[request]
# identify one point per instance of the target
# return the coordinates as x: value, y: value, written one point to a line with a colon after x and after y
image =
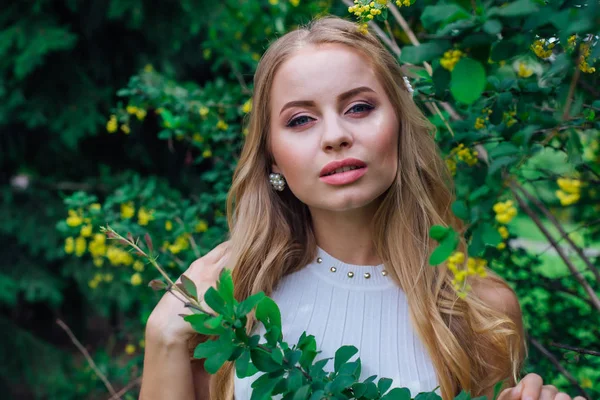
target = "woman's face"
x: 328, y: 105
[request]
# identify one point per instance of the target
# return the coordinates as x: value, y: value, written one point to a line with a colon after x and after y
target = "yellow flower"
x: 222, y: 125
x: 144, y: 216
x: 86, y: 231
x: 136, y: 279
x: 97, y: 246
x: 207, y: 153
x: 108, y: 277
x: 130, y: 349
x: 98, y: 261
x: 148, y: 68
x: 201, y: 226
x: 505, y: 211
x: 247, y: 107
x: 479, y: 123
x: 181, y: 243
x: 131, y: 109
x: 569, y: 185
x: 294, y: 3
x: 539, y: 50
x: 95, y: 207
x: 255, y: 56
x: 80, y: 246
x: 451, y: 165
x: 245, y: 132
x: 93, y: 284
x: 566, y: 199
x: 117, y: 256
x: 127, y: 210
x: 138, y: 266
x: 450, y: 58
x: 503, y: 232
x: 125, y: 128
x: 69, y: 245
x: 501, y: 246
x: 112, y: 124
x: 524, y: 70
x: 74, y: 219
x: 363, y: 28
x: 140, y: 114
x: 274, y: 2
x: 197, y: 137
x: 168, y: 225
x: 203, y: 111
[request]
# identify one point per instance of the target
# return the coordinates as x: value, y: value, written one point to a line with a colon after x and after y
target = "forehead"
x: 317, y: 71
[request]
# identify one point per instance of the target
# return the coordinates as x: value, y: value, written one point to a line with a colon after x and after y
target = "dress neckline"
x: 341, y: 274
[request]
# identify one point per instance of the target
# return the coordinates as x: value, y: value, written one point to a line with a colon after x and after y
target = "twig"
x: 558, y: 366
x: 560, y: 229
x: 88, y: 358
x: 593, y: 296
x: 565, y: 116
x: 392, y: 39
x: 576, y: 349
x: 240, y: 79
x: 126, y: 388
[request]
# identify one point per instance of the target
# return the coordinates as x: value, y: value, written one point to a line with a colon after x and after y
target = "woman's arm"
x: 167, y: 369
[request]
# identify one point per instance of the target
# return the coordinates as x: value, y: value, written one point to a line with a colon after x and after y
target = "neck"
x: 346, y: 235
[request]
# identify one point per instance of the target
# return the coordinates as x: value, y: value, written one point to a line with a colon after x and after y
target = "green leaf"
x: 428, y: 396
x: 460, y: 209
x: 444, y: 249
x: 268, y: 313
x: 468, y: 80
x: 503, y: 50
x: 225, y: 286
x: 213, y: 363
x: 242, y: 364
x: 277, y: 355
x: 342, y: 355
x: 503, y: 149
x: 500, y: 162
x: 442, y: 14
x: 424, y: 52
x: 263, y: 361
x: 302, y: 393
x: 190, y: 287
x: 397, y: 394
x: 438, y: 232
x: 492, y: 26
x: 247, y: 305
x: 497, y: 389
x: 206, y: 349
x: 441, y: 80
x: 341, y: 382
x: 199, y: 324
x: 294, y: 381
x: 463, y: 396
x: 215, y: 301
x: 318, y: 395
x: 359, y: 389
x: 514, y: 9
x: 384, y: 384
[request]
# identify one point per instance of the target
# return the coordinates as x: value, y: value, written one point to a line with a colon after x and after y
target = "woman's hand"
x: 532, y: 387
x: 165, y: 321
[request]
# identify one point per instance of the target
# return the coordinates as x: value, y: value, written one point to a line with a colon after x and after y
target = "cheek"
x: 386, y: 145
x: 290, y: 158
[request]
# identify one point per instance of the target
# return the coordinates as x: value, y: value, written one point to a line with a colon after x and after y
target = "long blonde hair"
x: 271, y: 233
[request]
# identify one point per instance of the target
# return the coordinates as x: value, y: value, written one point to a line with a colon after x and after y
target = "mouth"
x: 342, y: 170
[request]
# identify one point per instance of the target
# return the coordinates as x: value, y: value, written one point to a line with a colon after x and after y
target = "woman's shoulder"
x: 497, y: 295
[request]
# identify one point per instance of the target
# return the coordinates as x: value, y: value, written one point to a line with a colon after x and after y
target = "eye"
x: 299, y: 121
x: 361, y: 107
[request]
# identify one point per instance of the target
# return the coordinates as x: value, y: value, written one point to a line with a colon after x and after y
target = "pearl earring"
x: 277, y: 181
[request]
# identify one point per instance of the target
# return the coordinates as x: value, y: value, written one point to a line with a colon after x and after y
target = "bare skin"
x: 168, y: 372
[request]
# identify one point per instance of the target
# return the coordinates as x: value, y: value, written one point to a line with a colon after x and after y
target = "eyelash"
x: 291, y: 123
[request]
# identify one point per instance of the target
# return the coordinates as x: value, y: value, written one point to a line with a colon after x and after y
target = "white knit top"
x: 369, y: 313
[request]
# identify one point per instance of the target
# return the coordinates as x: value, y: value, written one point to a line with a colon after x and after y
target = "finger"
x: 548, y: 392
x: 562, y: 396
x: 532, y: 387
x: 579, y: 398
x: 506, y: 394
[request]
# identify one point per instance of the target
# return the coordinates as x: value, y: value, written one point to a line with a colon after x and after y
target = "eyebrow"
x: 342, y: 97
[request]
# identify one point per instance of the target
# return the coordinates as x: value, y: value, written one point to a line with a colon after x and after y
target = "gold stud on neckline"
x: 319, y: 260
x: 350, y: 274
x: 333, y: 269
x: 367, y: 275
x: 384, y: 272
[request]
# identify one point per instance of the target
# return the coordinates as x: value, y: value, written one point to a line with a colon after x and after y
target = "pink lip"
x: 346, y: 162
x: 343, y: 178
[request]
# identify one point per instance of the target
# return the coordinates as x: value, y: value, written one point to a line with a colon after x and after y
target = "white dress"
x: 369, y: 313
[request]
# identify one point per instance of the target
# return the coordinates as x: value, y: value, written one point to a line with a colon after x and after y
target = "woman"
x: 329, y: 211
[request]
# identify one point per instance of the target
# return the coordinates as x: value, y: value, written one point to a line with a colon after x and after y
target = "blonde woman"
x: 329, y: 211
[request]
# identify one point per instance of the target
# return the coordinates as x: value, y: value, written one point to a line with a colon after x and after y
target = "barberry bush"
x: 131, y: 114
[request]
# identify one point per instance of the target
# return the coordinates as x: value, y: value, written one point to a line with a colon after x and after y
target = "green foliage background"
x: 174, y: 80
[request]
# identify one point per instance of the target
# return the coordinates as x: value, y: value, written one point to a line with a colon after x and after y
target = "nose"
x: 336, y: 136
